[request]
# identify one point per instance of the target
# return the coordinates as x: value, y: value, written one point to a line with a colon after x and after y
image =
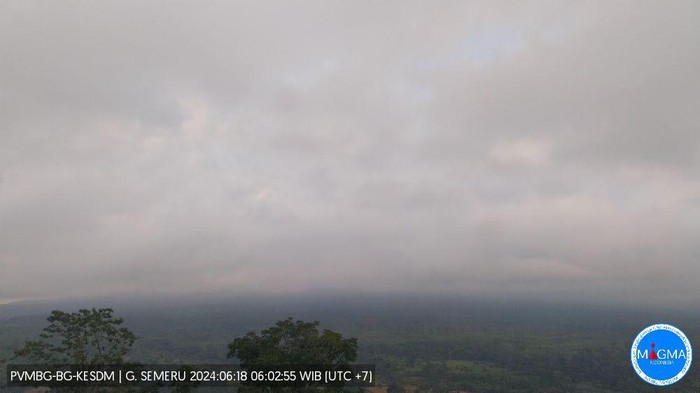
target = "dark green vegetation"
x: 424, y: 344
x: 293, y: 343
x: 86, y: 338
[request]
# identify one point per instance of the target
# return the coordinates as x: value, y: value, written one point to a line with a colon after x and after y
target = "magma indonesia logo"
x: 661, y: 354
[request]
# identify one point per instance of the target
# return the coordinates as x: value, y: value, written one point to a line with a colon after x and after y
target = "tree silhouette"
x: 293, y: 343
x: 85, y: 338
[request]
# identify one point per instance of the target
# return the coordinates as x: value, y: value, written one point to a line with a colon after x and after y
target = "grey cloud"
x: 285, y: 147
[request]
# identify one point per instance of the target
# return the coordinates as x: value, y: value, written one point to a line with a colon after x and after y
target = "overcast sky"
x: 540, y: 148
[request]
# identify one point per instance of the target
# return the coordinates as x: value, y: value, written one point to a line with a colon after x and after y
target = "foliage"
x: 293, y: 343
x: 423, y: 347
x: 87, y: 337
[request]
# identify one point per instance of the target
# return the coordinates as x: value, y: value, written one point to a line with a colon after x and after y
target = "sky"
x: 530, y: 148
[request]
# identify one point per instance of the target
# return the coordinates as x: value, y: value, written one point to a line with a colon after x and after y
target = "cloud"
x: 521, y: 153
x: 287, y: 147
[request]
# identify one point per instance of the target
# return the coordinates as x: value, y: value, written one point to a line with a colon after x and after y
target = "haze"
x: 533, y: 148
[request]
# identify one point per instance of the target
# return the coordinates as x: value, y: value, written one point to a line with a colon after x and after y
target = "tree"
x: 293, y: 343
x: 85, y: 338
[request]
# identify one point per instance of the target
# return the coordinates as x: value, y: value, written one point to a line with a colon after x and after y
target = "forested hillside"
x: 436, y: 345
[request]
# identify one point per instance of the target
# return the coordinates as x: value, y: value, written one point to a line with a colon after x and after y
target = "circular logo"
x: 661, y: 354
